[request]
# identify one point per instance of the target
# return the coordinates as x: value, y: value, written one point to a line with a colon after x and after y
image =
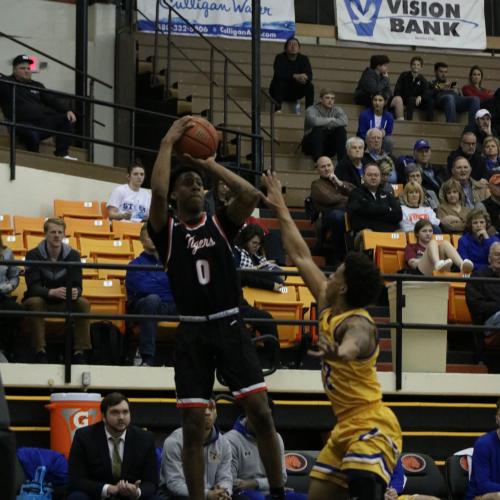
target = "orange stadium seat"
x: 18, y: 293
x: 96, y: 228
x: 16, y: 244
x: 137, y: 247
x: 104, y: 209
x: 77, y: 209
x: 112, y: 273
x: 389, y: 249
x: 28, y: 225
x: 33, y: 240
x: 458, y: 311
x: 310, y: 310
x: 90, y: 247
x: 438, y: 237
x: 6, y: 226
x: 126, y: 230
x: 455, y: 238
x: 105, y: 297
x: 373, y: 239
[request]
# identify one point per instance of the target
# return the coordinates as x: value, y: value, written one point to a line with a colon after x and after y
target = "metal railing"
x: 14, y: 124
x: 398, y: 324
x: 257, y: 163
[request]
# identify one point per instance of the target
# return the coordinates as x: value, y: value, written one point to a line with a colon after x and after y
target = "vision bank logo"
x: 364, y: 14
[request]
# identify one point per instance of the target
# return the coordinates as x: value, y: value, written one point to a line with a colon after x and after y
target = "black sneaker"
x: 78, y: 359
x: 41, y: 358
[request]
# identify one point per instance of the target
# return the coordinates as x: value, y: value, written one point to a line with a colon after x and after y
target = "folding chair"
x: 77, y: 209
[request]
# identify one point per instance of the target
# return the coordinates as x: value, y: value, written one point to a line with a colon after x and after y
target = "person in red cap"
x: 35, y: 107
x: 492, y: 203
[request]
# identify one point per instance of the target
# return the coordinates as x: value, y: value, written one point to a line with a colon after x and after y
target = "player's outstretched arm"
x: 295, y: 246
x: 245, y: 196
x: 161, y: 173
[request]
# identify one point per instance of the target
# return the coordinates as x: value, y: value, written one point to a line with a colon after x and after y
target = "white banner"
x: 455, y: 24
x: 225, y: 18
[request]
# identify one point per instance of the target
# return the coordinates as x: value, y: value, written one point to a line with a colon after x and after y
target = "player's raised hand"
x: 327, y: 349
x: 177, y: 128
x: 199, y: 162
x: 274, y: 198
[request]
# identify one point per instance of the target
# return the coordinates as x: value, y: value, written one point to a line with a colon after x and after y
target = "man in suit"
x: 113, y: 459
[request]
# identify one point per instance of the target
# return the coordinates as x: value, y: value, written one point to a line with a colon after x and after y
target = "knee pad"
x: 366, y: 486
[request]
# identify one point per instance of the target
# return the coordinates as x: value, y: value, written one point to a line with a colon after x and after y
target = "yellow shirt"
x: 353, y: 384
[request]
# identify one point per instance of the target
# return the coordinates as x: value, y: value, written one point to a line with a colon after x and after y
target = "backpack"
x: 108, y: 346
x: 36, y: 489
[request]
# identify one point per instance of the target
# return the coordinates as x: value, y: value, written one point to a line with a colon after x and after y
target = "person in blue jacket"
x: 148, y: 292
x: 377, y: 116
x: 485, y: 477
x: 475, y: 243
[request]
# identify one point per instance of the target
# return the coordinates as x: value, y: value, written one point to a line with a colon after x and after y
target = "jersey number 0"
x: 203, y: 271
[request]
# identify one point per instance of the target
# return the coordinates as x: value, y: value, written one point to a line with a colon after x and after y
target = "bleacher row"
x: 102, y: 241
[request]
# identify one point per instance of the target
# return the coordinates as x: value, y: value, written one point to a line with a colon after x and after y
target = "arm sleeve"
x: 339, y: 117
x: 76, y: 272
x: 410, y: 252
x: 312, y: 118
x: 307, y: 68
x: 34, y: 280
x: 398, y: 88
x: 115, y: 198
x: 463, y: 247
x: 390, y: 124
x: 149, y: 473
x: 280, y: 67
x: 160, y: 239
x: 480, y: 305
x: 482, y: 469
x: 363, y: 124
x: 172, y: 473
x: 224, y: 476
x: 52, y: 101
x: 11, y: 276
x: 78, y: 470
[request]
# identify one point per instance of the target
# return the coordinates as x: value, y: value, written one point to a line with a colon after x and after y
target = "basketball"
x: 200, y: 141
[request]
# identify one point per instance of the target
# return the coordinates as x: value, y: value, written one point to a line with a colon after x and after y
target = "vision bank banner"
x: 224, y: 18
x: 457, y: 24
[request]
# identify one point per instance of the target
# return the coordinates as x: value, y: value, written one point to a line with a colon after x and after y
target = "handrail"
x: 52, y: 58
x: 213, y: 48
x: 398, y: 324
x: 14, y: 124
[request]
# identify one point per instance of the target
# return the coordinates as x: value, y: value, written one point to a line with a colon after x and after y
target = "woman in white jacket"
x: 413, y: 210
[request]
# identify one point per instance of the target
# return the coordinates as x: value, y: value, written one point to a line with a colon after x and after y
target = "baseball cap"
x: 495, y: 179
x: 21, y: 60
x: 481, y: 113
x: 421, y: 144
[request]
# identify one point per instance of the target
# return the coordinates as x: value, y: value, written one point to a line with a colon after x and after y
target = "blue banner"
x: 223, y: 18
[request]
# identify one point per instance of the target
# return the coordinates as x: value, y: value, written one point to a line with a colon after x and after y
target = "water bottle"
x: 297, y: 108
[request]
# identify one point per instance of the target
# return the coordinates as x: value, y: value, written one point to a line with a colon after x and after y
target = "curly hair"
x: 362, y: 279
x: 476, y: 213
x: 247, y: 233
x: 446, y: 187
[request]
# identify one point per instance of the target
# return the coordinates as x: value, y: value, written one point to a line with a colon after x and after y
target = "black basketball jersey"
x: 201, y: 266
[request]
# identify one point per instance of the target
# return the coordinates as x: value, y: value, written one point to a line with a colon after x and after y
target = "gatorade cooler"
x: 68, y: 412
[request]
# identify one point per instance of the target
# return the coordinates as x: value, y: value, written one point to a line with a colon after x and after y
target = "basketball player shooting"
x: 362, y: 450
x: 196, y: 251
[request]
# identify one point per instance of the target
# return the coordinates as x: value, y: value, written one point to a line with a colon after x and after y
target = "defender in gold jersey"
x: 362, y: 450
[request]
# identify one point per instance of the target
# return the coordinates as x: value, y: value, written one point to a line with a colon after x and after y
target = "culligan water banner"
x: 224, y: 18
x: 455, y: 24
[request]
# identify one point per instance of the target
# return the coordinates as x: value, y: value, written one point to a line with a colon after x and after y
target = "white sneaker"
x: 467, y: 267
x: 443, y: 265
x: 68, y: 157
x: 137, y: 359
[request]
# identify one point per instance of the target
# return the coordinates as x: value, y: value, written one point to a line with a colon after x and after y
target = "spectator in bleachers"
x: 413, y: 89
x: 329, y: 196
x: 482, y: 127
x: 432, y: 175
x: 474, y: 191
x: 376, y: 117
x: 428, y: 255
x: 413, y: 209
x: 46, y: 290
x: 325, y: 128
x: 216, y: 456
x: 350, y: 169
x: 112, y: 458
x: 375, y: 150
x: 249, y: 477
x: 468, y: 149
x: 475, y: 85
x: 217, y: 197
x: 413, y: 172
x: 148, y: 292
x: 446, y: 96
x: 484, y: 482
x: 491, y: 154
x: 483, y: 299
x: 292, y: 78
x: 375, y: 80
x: 248, y: 255
x: 130, y: 201
x: 475, y: 243
x: 492, y: 203
x: 386, y: 174
x: 451, y: 211
x: 9, y: 281
x: 35, y: 107
x: 369, y: 207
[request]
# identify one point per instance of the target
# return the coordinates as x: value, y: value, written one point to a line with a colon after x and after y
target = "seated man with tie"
x: 113, y: 459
